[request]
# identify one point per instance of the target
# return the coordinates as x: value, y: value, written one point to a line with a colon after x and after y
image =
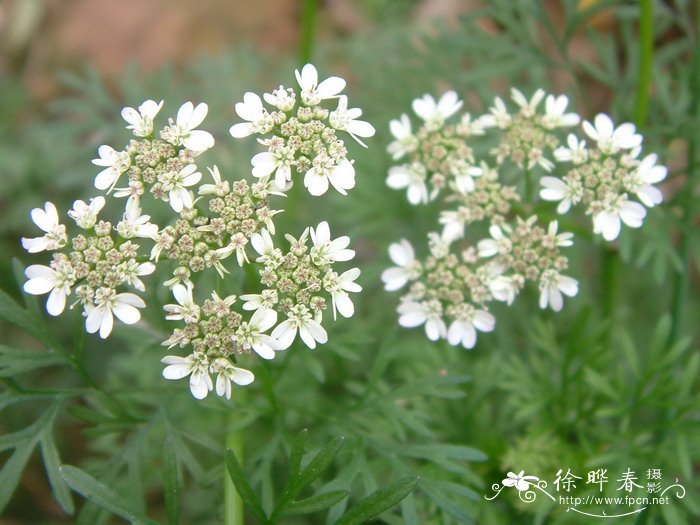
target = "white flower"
x: 133, y: 224
x: 219, y: 188
x: 504, y: 288
x: 176, y: 183
x: 439, y: 244
x: 345, y: 119
x: 299, y: 319
x: 312, y: 93
x: 414, y: 314
x: 227, y: 374
x: 196, y: 366
x: 498, y: 244
x: 464, y: 175
x: 406, y: 141
x: 250, y: 335
x: 527, y: 107
x: 324, y: 251
x: 407, y: 268
x: 325, y: 170
x: 339, y: 286
x: 43, y: 279
x: 251, y: 110
x: 463, y: 329
x: 554, y: 116
x: 437, y: 112
x: 557, y: 190
x: 499, y: 115
x: 115, y: 163
x: 85, y: 215
x: 132, y: 272
x: 519, y: 481
x: 553, y: 238
x: 455, y: 222
x: 265, y: 299
x: 183, y: 131
x: 47, y: 221
x: 283, y: 99
x: 141, y: 121
x: 576, y: 152
x: 646, y: 174
x: 611, y: 139
x: 186, y: 310
x: 108, y: 303
x: 413, y: 177
x: 280, y: 162
x: 607, y: 222
x: 262, y: 243
x: 552, y: 285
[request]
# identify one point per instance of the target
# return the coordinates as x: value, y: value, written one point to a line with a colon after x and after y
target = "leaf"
x: 95, y: 491
x: 240, y: 481
x: 170, y: 482
x: 376, y: 503
x: 11, y: 312
x: 52, y: 464
x: 14, y: 361
x: 317, y: 502
x: 12, y: 471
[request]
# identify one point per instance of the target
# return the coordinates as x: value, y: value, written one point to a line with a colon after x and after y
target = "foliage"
x: 581, y: 389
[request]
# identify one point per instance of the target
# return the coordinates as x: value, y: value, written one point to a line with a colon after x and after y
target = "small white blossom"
x: 280, y: 162
x: 141, y: 121
x: 463, y: 330
x: 555, y: 116
x: 576, y: 152
x: 85, y: 215
x: 326, y: 251
x: 413, y: 177
x: 114, y: 163
x: 133, y: 224
x: 407, y: 268
x: 527, y: 107
x: 133, y: 271
x: 646, y: 174
x: 227, y: 374
x: 183, y: 132
x: 252, y: 111
x: 464, y: 175
x: 345, y: 119
x: 186, y: 310
x: 437, y: 112
x: 406, y: 142
x: 607, y: 222
x: 313, y: 92
x: 108, y: 303
x: 610, y: 139
x: 251, y: 335
x: 414, y: 314
x: 552, y: 286
x: 499, y: 115
x: 196, y: 366
x: 339, y: 286
x: 47, y: 221
x: 58, y: 282
x: 176, y: 184
x: 324, y: 171
x: 265, y: 299
x: 557, y: 190
x: 283, y: 99
x: 219, y: 188
x: 299, y: 319
x: 498, y: 244
x: 262, y: 243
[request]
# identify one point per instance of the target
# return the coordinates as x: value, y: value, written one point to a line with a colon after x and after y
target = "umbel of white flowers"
x: 450, y: 290
x: 102, y: 264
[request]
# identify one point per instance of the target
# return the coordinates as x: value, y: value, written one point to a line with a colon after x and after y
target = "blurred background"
x: 608, y: 381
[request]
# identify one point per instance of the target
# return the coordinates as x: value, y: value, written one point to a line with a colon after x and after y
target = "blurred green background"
x: 611, y: 382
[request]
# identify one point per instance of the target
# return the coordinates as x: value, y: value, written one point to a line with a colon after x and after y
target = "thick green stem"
x: 686, y: 200
x: 233, y: 506
x: 308, y: 29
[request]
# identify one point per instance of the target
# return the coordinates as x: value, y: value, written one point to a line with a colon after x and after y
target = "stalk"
x: 233, y: 506
x: 681, y: 282
x: 308, y: 29
x: 610, y: 262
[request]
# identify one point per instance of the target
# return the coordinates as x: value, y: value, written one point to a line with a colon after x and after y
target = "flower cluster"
x: 301, y: 135
x: 102, y: 264
x: 485, y: 167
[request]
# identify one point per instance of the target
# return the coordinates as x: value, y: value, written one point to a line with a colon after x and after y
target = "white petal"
x: 176, y: 371
x: 344, y: 304
x: 285, y: 333
x: 394, y: 278
x: 401, y: 253
x: 264, y: 319
x: 56, y: 302
x: 239, y: 131
x: 568, y: 285
x: 198, y: 140
x: 106, y: 324
x: 316, y: 184
x: 330, y: 87
x: 242, y: 377
x: 484, y: 321
x: 126, y: 313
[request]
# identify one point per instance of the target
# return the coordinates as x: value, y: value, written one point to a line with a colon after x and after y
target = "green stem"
x: 308, y: 27
x: 686, y: 200
x: 233, y: 506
